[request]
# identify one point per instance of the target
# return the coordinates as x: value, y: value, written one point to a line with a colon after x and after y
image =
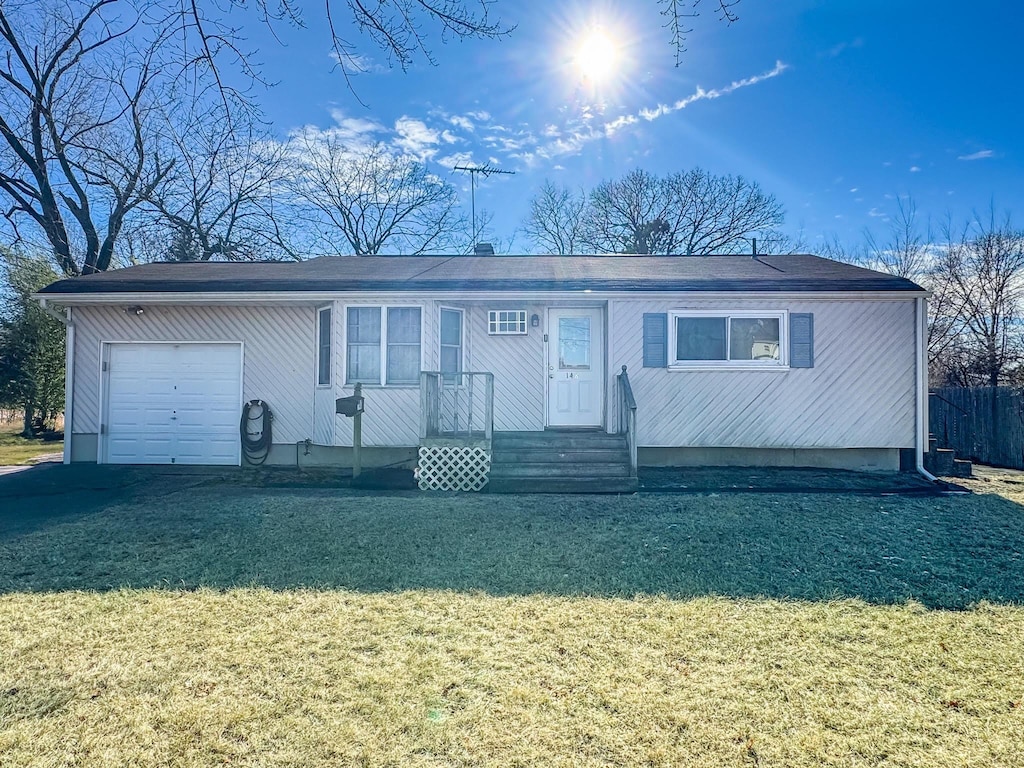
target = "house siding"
x: 518, y: 364
x: 859, y: 394
x: 279, y: 349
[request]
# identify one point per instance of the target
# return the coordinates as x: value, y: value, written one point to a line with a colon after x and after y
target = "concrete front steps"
x: 943, y: 462
x: 560, y: 462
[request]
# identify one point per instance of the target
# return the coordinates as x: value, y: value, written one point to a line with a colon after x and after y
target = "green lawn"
x: 15, y: 449
x: 190, y: 623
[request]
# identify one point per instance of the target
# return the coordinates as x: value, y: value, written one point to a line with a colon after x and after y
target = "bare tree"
x: 713, y: 214
x: 906, y: 252
x: 689, y: 213
x: 627, y: 215
x: 74, y: 111
x: 555, y: 222
x: 375, y: 200
x: 216, y: 198
x: 980, y: 275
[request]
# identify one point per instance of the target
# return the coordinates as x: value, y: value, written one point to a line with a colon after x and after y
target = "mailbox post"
x: 353, y: 406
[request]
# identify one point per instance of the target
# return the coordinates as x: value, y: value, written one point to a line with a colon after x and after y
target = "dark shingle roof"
x: 793, y: 273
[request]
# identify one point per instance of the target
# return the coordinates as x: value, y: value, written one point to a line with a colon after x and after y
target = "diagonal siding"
x: 279, y: 354
x: 860, y: 393
x: 518, y: 365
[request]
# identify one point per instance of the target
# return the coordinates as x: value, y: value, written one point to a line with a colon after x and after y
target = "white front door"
x: 172, y: 403
x: 575, y: 367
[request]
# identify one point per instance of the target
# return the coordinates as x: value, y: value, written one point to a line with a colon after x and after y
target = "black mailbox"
x: 349, y: 406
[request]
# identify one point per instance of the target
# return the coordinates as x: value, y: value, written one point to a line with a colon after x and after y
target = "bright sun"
x: 597, y: 56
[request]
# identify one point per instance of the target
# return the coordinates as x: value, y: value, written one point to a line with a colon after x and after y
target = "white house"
x: 775, y: 360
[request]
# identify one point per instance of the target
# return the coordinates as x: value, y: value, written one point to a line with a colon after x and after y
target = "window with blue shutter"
x: 801, y: 340
x: 655, y: 340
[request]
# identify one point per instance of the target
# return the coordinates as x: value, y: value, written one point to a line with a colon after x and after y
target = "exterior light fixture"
x: 134, y: 309
x: 534, y: 321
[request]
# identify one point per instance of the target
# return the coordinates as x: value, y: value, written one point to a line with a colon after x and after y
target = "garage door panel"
x: 205, y: 450
x: 140, y: 448
x: 173, y: 403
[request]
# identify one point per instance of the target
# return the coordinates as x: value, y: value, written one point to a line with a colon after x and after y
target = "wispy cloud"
x: 838, y: 49
x: 915, y: 169
x: 416, y: 138
x: 700, y: 94
x: 352, y: 129
x: 463, y: 122
x: 982, y: 154
x: 355, y: 63
x: 571, y: 138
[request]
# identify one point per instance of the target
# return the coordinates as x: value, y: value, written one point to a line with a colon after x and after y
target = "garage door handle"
x: 174, y: 418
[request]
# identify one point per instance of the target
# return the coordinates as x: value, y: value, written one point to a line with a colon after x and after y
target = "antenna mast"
x: 485, y: 170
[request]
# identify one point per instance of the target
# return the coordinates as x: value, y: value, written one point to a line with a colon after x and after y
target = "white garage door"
x: 173, y: 403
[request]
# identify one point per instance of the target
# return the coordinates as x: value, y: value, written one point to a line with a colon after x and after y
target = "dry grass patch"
x: 15, y: 449
x: 255, y: 677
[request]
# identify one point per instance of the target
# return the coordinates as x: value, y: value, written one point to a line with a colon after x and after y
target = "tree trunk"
x: 27, y: 426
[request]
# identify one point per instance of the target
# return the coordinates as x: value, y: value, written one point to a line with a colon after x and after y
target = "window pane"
x: 323, y: 375
x: 404, y: 325
x: 450, y: 360
x: 754, y: 338
x: 325, y: 328
x: 574, y: 343
x: 364, y: 325
x: 324, y: 369
x: 403, y: 363
x: 700, y: 338
x: 451, y: 327
x: 364, y: 363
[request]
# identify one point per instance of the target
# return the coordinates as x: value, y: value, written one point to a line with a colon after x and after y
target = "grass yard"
x: 15, y: 449
x: 188, y: 623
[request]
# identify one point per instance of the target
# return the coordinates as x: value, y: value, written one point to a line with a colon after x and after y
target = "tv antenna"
x: 485, y: 170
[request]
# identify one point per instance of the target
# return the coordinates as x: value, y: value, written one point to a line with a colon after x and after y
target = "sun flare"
x: 597, y: 56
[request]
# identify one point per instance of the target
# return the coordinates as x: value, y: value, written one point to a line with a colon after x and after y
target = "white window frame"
x: 320, y: 384
x: 497, y: 317
x: 384, y: 344
x: 781, y: 364
x: 462, y: 336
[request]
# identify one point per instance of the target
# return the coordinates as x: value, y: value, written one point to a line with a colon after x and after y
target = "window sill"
x: 689, y: 367
x: 382, y: 386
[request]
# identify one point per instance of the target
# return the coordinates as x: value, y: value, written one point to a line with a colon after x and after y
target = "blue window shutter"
x: 801, y: 340
x: 655, y: 340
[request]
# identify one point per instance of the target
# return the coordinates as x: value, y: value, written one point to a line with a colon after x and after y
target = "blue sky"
x: 835, y: 107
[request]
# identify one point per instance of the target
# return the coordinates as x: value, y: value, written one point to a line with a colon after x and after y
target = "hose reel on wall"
x: 256, y: 431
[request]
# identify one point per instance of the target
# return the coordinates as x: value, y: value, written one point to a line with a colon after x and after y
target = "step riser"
x: 579, y: 456
x: 561, y: 485
x: 567, y: 471
x: 604, y: 442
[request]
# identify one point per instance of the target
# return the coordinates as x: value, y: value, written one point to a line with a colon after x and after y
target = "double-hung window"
x: 383, y: 345
x: 752, y: 339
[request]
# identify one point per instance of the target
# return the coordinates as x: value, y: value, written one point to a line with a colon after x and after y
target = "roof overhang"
x: 315, y: 297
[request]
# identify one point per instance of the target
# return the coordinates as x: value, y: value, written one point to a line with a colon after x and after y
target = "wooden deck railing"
x: 457, y: 405
x: 627, y: 417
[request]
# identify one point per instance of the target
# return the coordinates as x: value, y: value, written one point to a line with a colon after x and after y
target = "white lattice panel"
x: 453, y: 468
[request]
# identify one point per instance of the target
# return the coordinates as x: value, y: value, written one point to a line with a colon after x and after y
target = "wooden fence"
x: 983, y: 424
